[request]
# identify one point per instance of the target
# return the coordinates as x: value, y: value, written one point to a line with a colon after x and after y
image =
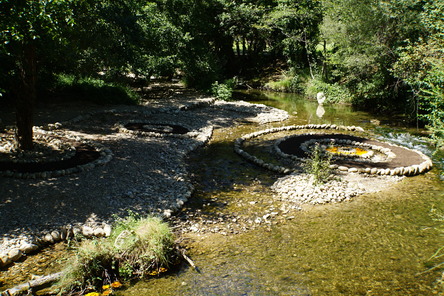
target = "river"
x: 375, y: 244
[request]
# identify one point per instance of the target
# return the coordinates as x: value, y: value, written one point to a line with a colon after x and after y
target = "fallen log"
x: 33, y: 285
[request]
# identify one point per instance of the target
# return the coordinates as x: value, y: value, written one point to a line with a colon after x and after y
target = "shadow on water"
x: 376, y: 244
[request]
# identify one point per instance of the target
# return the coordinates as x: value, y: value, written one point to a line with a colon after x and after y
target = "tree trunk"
x: 26, y: 94
x: 308, y: 56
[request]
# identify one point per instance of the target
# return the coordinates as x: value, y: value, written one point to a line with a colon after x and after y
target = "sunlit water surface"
x: 376, y: 244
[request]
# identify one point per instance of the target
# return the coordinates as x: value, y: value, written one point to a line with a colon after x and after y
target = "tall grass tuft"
x: 318, y: 165
x: 136, y: 247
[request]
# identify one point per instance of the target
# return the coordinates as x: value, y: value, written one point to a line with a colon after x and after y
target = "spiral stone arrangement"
x: 55, y: 155
x: 380, y: 158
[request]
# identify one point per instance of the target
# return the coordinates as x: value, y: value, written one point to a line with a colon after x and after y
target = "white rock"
x: 28, y: 248
x: 107, y: 229
x: 15, y: 254
x: 99, y: 232
x: 48, y: 238
x: 87, y: 231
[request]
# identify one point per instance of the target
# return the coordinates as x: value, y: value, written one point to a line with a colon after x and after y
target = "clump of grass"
x: 136, y: 247
x: 318, y: 165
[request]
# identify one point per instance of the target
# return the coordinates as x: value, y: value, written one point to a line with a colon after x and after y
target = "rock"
x: 28, y: 248
x: 107, y: 229
x: 15, y: 254
x: 5, y: 260
x: 87, y: 231
x: 99, y: 232
x: 343, y: 168
x: 167, y: 213
x: 48, y: 239
x: 55, y: 235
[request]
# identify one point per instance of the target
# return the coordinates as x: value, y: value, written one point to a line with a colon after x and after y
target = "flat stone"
x: 55, y: 235
x: 343, y: 168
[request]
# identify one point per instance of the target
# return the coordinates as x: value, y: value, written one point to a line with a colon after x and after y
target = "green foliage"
x: 318, y: 165
x: 363, y: 37
x: 290, y: 84
x: 136, y: 247
x: 95, y: 90
x: 432, y: 101
x: 334, y: 92
x: 421, y: 66
x: 223, y: 91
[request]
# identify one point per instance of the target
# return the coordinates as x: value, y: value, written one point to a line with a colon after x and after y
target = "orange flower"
x: 107, y: 292
x: 116, y: 285
x: 163, y: 269
x: 105, y: 287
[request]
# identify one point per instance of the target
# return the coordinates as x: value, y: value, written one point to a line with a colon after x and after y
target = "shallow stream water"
x: 375, y: 244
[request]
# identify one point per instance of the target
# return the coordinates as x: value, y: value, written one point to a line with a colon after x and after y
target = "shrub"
x: 223, y: 91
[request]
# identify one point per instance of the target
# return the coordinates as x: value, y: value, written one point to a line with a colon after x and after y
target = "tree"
x: 421, y: 66
x: 25, y: 26
x: 365, y: 36
x: 294, y: 31
x: 81, y: 37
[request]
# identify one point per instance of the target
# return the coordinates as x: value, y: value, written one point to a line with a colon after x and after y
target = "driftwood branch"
x: 32, y: 285
x: 188, y: 259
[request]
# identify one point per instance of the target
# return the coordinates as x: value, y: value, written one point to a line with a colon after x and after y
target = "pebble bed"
x: 300, y: 188
x: 153, y: 193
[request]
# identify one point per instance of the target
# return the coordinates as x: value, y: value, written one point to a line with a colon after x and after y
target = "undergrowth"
x: 95, y: 90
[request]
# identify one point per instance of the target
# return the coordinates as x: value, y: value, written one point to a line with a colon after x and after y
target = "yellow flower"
x: 93, y: 294
x: 153, y: 273
x: 163, y: 269
x: 107, y: 292
x: 116, y: 285
x: 105, y: 287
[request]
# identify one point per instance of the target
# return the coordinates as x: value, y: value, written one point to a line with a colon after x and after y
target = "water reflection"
x: 320, y: 111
